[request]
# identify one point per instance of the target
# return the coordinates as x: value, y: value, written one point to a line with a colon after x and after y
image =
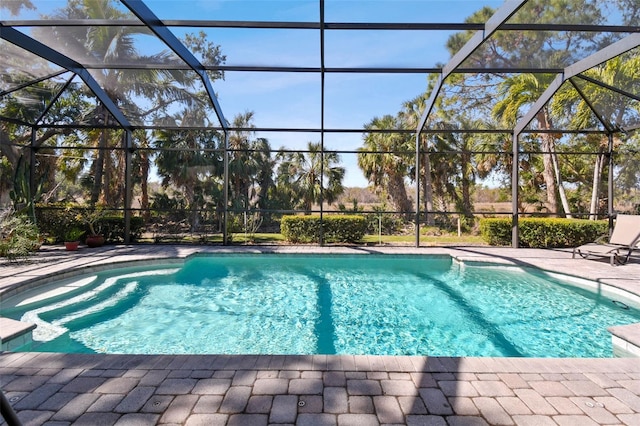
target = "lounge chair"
x: 624, y: 239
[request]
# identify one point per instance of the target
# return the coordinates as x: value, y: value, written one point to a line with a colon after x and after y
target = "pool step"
x: 14, y: 334
x: 46, y: 331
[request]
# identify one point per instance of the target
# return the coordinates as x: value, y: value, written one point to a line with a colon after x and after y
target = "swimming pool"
x: 321, y: 304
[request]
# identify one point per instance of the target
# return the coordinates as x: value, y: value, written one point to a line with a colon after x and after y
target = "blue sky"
x: 293, y: 100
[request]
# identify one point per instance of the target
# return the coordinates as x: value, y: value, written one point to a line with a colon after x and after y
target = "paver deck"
x: 90, y: 389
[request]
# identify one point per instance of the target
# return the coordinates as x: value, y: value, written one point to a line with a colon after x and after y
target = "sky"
x: 293, y: 100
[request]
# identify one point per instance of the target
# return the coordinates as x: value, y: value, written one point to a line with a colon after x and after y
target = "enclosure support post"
x: 7, y: 412
x: 515, y: 178
x: 610, y: 184
x: 128, y: 180
x: 31, y: 201
x: 322, y: 99
x: 225, y: 215
x: 417, y: 177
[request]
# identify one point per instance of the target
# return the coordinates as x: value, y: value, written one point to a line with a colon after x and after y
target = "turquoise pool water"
x: 369, y: 304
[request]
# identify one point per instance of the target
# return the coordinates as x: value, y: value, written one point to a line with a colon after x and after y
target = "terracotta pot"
x: 71, y: 245
x: 94, y: 240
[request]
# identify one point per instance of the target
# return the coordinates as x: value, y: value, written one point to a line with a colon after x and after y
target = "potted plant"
x: 72, y: 238
x: 91, y: 216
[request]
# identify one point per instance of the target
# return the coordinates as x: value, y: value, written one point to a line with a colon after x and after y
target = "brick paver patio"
x: 90, y: 389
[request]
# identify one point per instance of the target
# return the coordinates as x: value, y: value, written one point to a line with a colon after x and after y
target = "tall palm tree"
x: 622, y: 72
x: 190, y: 160
x: 521, y: 90
x: 410, y: 116
x: 311, y: 177
x: 142, y: 167
x: 264, y: 166
x: 453, y: 174
x: 241, y: 169
x: 385, y: 160
x: 116, y: 44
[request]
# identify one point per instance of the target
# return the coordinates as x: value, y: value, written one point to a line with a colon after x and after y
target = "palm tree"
x: 622, y: 72
x: 241, y: 169
x: 311, y: 177
x: 410, y: 118
x: 453, y: 175
x: 264, y: 166
x: 161, y: 87
x: 142, y: 167
x: 385, y: 160
x: 191, y: 161
x: 516, y: 92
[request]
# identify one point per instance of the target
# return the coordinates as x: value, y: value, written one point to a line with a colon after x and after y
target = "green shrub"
x: 300, y: 229
x: 496, y: 231
x: 55, y: 222
x: 73, y: 234
x: 344, y: 229
x: 113, y: 228
x: 19, y: 237
x: 543, y: 232
x: 336, y: 229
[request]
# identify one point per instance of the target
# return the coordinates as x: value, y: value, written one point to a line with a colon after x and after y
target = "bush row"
x: 335, y: 229
x: 54, y: 223
x: 543, y: 232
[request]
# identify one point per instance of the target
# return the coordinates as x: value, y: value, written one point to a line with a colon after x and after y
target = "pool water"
x: 369, y: 304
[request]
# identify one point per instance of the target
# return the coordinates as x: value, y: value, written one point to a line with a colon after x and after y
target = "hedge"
x: 336, y: 229
x: 55, y: 222
x: 543, y: 232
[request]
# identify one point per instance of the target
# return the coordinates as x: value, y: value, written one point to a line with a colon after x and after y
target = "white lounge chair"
x: 624, y: 239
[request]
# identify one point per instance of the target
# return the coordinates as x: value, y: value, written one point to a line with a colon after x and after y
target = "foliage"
x: 390, y: 223
x: 385, y: 159
x: 23, y: 197
x: 56, y: 220
x: 113, y: 228
x: 191, y: 162
x: 543, y: 232
x: 310, y: 177
x: 247, y: 223
x: 73, y: 234
x: 19, y: 237
x: 336, y: 229
x: 90, y: 216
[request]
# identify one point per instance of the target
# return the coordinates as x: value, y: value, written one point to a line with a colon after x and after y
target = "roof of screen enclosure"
x: 616, y: 35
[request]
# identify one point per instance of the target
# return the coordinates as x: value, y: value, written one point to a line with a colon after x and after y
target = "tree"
x: 191, y: 161
x: 385, y: 160
x: 453, y: 176
x: 264, y: 166
x: 310, y: 177
x: 161, y: 88
x: 530, y: 49
x: 622, y: 72
x: 251, y: 167
x: 241, y: 167
x: 410, y: 116
x: 523, y: 90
